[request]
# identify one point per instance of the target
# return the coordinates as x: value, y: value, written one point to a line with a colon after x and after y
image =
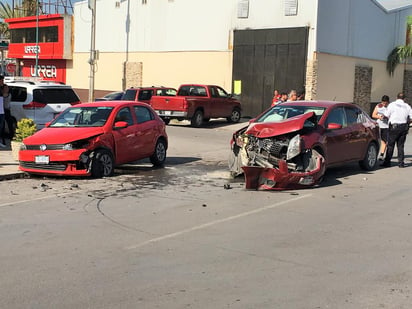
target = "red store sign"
x: 46, y: 40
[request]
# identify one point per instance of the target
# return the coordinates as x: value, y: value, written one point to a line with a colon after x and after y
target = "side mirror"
x: 334, y: 126
x: 47, y: 124
x: 120, y: 125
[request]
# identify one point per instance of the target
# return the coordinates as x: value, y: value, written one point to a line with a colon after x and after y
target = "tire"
x: 370, y: 161
x: 235, y: 116
x: 158, y: 158
x: 102, y: 164
x: 197, y: 119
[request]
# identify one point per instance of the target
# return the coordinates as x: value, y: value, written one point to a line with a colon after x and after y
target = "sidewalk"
x: 9, y: 168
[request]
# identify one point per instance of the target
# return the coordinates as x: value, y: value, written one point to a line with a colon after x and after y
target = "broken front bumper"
x: 261, y: 178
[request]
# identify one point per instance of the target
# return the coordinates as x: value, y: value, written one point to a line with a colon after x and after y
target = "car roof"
x: 110, y: 104
x: 37, y: 84
x: 317, y: 103
x: 151, y: 87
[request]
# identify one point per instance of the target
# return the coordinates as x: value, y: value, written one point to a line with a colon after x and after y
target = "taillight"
x: 75, y: 103
x: 34, y: 105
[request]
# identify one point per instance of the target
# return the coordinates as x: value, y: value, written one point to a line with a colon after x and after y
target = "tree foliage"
x: 400, y: 53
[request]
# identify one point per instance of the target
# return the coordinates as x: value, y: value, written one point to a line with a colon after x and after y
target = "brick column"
x: 407, y: 85
x: 133, y: 74
x: 363, y: 87
x: 311, y: 83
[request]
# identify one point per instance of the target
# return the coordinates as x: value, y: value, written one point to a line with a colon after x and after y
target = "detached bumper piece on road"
x: 259, y: 178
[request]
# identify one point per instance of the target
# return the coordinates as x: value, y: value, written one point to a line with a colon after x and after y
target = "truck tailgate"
x: 168, y: 103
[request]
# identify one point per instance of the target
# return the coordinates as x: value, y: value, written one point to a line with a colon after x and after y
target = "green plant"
x: 25, y: 127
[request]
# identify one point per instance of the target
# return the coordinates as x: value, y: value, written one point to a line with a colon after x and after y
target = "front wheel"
x: 370, y: 161
x: 234, y: 116
x: 158, y: 158
x: 102, y: 164
x: 197, y: 119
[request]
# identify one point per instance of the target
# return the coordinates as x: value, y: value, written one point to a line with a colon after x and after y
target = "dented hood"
x: 62, y: 135
x: 269, y: 129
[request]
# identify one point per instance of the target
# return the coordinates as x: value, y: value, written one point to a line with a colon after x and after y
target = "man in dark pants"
x: 399, y: 115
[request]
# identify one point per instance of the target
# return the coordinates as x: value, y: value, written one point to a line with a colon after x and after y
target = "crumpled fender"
x: 260, y: 178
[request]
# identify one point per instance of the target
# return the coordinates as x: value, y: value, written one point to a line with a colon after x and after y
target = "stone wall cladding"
x: 311, y: 79
x: 363, y: 87
x: 133, y: 74
x: 407, y: 85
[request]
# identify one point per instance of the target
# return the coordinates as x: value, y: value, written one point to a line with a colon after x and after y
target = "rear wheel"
x: 197, y: 119
x: 235, y: 116
x: 102, y: 164
x: 370, y: 161
x: 158, y: 158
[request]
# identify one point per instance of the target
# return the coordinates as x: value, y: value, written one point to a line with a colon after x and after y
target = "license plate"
x: 41, y: 159
x: 167, y: 113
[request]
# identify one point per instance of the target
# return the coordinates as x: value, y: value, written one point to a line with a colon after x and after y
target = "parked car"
x: 92, y: 138
x: 40, y: 100
x: 290, y: 145
x: 144, y: 94
x: 198, y: 103
x: 112, y: 96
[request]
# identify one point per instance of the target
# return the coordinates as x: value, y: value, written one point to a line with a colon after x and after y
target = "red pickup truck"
x: 197, y: 103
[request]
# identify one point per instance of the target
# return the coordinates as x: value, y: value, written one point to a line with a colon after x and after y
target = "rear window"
x: 18, y: 94
x: 145, y: 94
x: 55, y: 95
x: 129, y: 95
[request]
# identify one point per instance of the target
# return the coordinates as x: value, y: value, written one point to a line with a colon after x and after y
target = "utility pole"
x: 93, y: 52
x: 36, y: 66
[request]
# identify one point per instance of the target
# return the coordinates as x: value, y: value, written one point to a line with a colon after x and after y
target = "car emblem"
x: 43, y: 147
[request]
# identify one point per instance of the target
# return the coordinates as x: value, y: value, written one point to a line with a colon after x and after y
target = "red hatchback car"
x: 291, y: 145
x: 90, y: 139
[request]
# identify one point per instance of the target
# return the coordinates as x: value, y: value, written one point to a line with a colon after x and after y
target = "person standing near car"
x: 399, y: 115
x: 383, y: 124
x: 4, y: 94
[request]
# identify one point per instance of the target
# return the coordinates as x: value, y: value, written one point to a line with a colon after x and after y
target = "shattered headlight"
x: 294, y: 147
x: 82, y: 144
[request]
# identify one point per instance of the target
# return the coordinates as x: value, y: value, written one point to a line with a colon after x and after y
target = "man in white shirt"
x: 399, y: 115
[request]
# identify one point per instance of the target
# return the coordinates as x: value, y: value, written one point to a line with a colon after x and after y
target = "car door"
x: 336, y: 136
x: 221, y: 105
x: 358, y: 133
x: 125, y: 139
x: 146, y: 132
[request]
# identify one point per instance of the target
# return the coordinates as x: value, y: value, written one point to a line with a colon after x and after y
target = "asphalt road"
x: 176, y: 238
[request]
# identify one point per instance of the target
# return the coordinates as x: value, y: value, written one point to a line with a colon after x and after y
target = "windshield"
x: 82, y: 117
x: 281, y: 112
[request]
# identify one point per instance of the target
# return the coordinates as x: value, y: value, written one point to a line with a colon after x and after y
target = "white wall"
x: 359, y: 28
x: 180, y: 25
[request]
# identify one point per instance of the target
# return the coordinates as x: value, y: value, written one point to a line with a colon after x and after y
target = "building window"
x: 144, y: 1
x: 291, y: 7
x: 243, y: 9
x: 28, y: 35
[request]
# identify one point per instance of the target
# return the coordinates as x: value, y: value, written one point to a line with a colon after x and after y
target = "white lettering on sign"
x: 48, y: 71
x: 32, y: 49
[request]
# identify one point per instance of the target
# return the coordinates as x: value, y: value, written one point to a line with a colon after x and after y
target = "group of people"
x: 281, y: 97
x: 393, y: 120
x: 5, y: 115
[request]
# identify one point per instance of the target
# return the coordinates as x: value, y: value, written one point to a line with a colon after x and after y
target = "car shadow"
x: 145, y: 164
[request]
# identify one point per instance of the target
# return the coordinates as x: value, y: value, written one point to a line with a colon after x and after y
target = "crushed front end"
x: 275, y: 162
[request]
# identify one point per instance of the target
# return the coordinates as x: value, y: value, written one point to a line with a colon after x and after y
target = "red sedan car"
x: 90, y: 139
x: 292, y: 144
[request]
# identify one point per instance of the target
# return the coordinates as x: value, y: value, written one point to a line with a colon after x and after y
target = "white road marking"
x: 205, y: 225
